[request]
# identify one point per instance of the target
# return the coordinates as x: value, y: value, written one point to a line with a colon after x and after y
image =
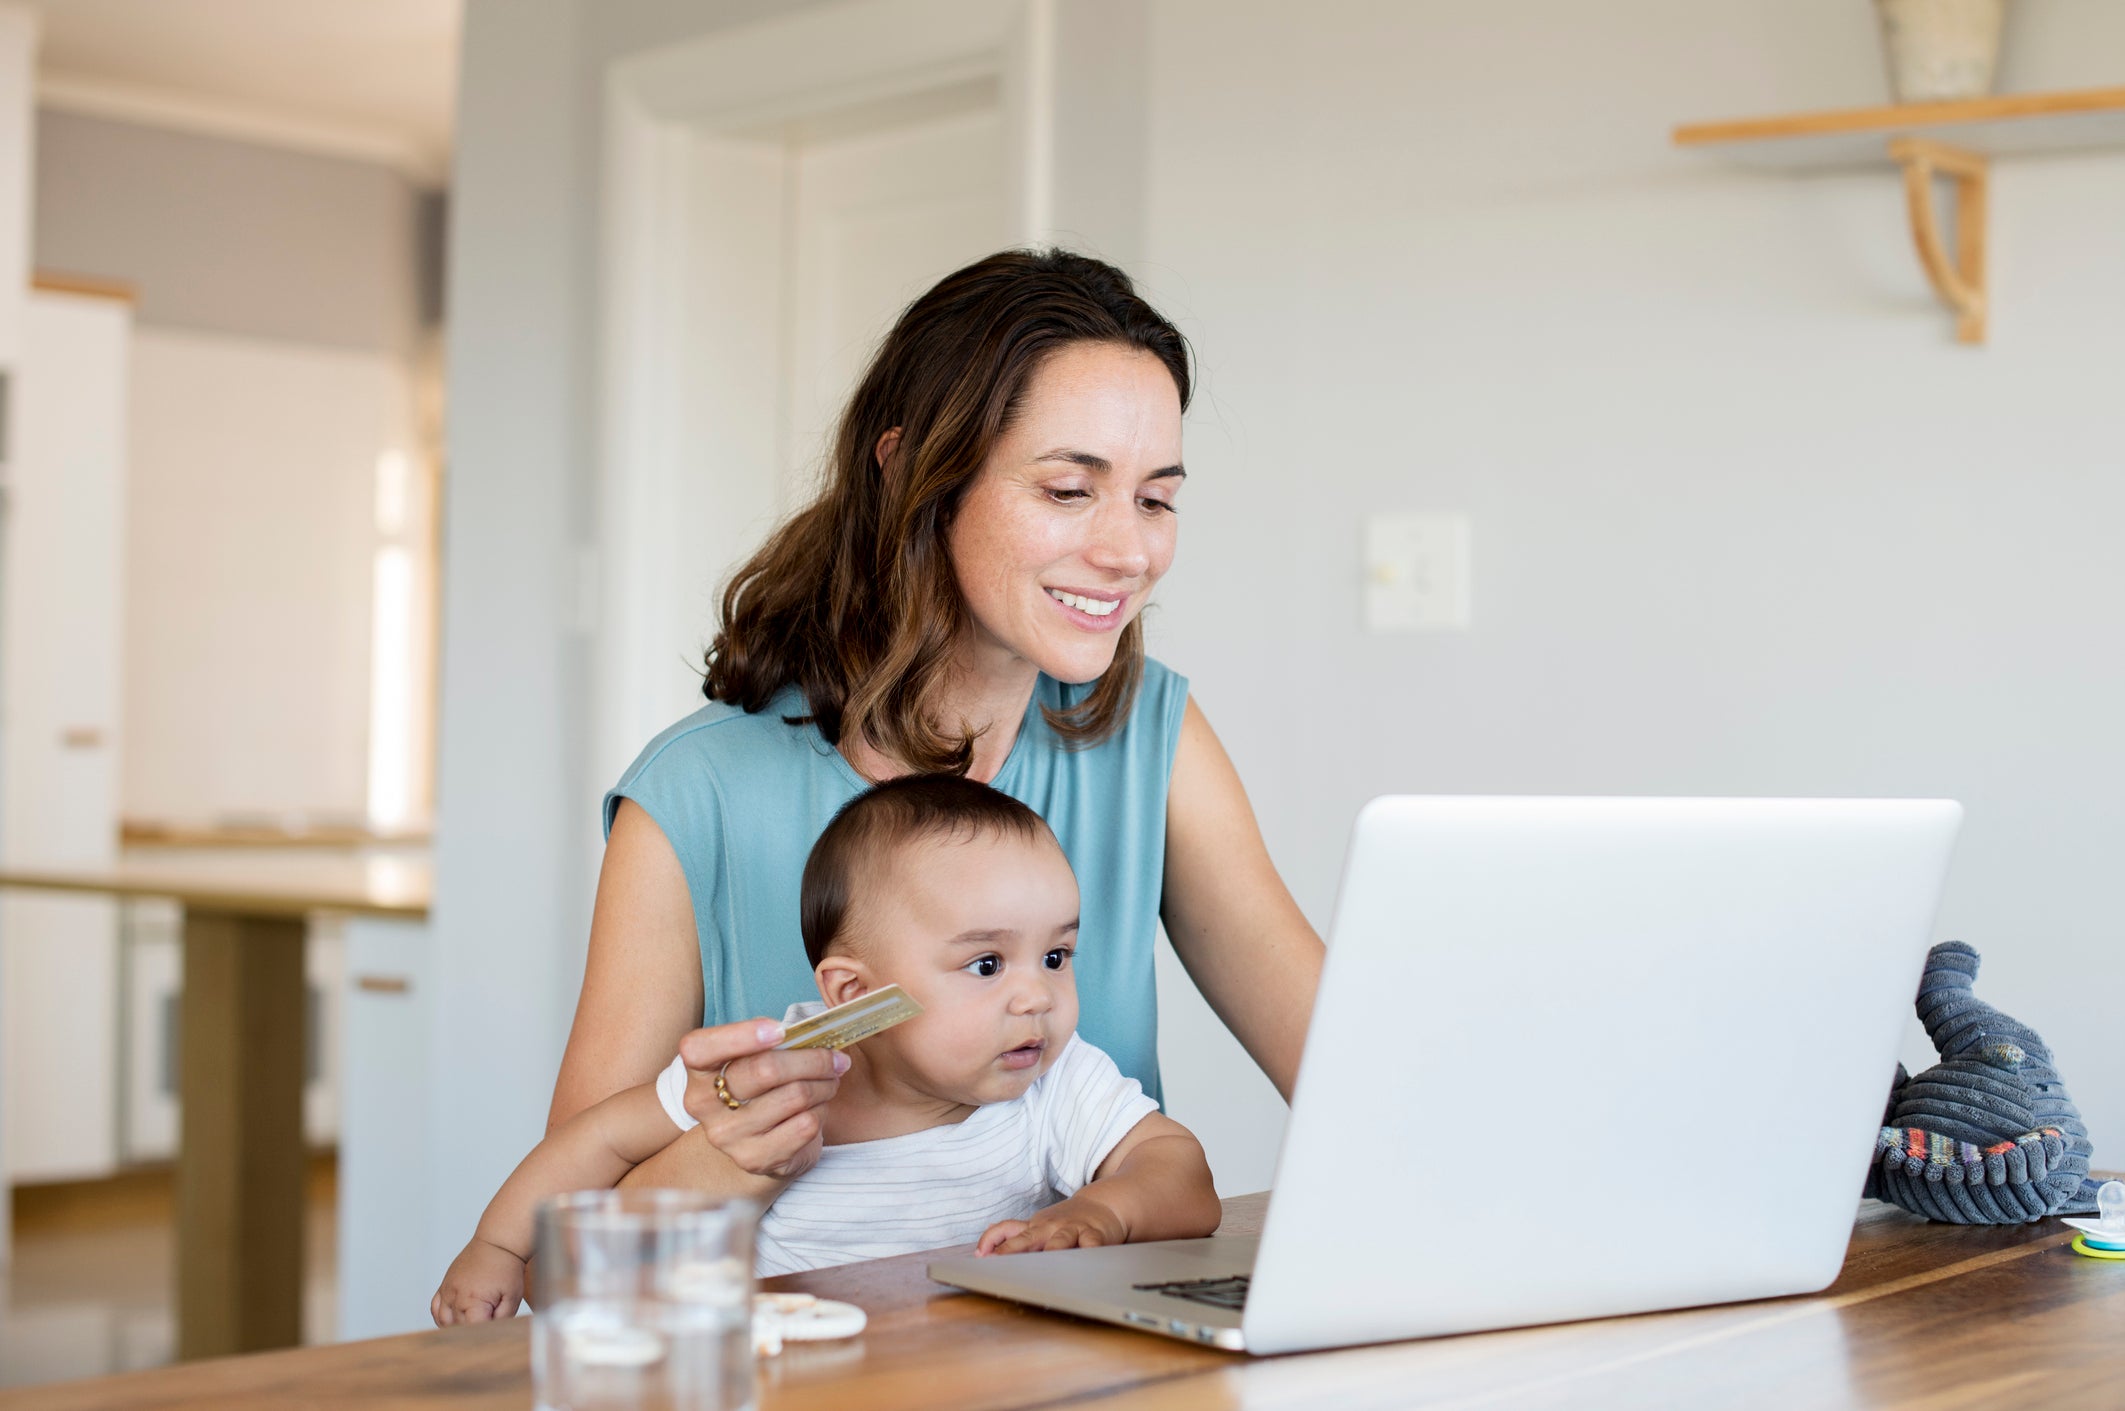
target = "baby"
x: 985, y: 1118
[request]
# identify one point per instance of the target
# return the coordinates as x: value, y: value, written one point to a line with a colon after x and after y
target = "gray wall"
x: 235, y: 237
x: 1744, y: 520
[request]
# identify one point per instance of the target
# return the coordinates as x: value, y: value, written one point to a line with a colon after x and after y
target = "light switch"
x: 1416, y: 572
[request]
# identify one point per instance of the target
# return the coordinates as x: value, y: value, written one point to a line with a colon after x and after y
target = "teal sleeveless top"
x: 741, y: 798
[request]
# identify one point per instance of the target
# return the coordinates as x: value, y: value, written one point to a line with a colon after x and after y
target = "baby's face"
x: 982, y: 932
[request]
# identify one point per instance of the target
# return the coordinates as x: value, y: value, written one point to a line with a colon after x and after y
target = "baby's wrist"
x: 484, y: 1236
x: 1113, y: 1212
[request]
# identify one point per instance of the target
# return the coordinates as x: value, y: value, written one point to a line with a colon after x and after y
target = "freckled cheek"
x: 1162, y: 546
x: 1039, y: 541
x: 994, y: 560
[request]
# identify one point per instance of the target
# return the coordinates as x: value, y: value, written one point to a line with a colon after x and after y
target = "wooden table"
x: 240, y: 1151
x: 1933, y: 1316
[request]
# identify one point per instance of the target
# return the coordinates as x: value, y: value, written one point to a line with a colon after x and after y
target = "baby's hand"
x: 1076, y: 1223
x: 484, y: 1282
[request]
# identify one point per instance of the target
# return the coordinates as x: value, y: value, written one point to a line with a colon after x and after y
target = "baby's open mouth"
x: 1025, y: 1055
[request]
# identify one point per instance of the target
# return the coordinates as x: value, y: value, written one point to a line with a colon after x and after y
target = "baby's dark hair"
x: 886, y: 817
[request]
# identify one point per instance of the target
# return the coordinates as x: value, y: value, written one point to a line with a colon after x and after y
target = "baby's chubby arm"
x: 591, y: 1150
x: 1154, y: 1185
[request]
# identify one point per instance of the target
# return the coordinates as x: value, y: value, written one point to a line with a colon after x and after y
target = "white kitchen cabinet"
x: 62, y: 536
x: 390, y: 1256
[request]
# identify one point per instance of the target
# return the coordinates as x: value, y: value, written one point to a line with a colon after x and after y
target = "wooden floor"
x: 89, y: 1291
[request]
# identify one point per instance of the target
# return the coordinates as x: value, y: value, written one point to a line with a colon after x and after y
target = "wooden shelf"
x: 2005, y: 124
x: 1929, y: 141
x: 46, y: 281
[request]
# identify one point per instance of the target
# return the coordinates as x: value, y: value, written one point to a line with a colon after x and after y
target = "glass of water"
x: 644, y: 1301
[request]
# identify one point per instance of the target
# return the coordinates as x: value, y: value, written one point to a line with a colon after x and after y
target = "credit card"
x: 853, y: 1022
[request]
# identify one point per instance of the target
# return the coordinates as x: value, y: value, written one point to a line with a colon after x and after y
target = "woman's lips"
x: 1091, y: 622
x: 1025, y: 1055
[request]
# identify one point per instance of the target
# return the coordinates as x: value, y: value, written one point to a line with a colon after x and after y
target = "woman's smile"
x: 1097, y: 612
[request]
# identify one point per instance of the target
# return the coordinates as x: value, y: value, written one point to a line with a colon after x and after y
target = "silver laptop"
x: 1570, y: 1058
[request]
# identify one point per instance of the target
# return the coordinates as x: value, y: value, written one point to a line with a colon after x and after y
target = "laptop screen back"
x: 1579, y: 1057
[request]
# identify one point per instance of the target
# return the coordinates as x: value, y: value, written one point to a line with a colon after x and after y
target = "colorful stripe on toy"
x: 1918, y: 1144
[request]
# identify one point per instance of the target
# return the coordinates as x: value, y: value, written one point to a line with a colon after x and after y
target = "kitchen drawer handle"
x: 383, y: 984
x: 81, y: 737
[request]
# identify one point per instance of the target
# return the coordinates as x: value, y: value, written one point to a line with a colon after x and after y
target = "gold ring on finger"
x: 723, y: 1090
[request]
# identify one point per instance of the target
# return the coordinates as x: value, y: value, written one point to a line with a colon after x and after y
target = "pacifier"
x: 2104, y: 1236
x: 801, y: 1317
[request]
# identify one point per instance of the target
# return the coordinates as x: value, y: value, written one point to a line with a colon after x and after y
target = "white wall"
x: 1736, y: 497
x: 18, y: 76
x: 1745, y: 520
x: 249, y: 549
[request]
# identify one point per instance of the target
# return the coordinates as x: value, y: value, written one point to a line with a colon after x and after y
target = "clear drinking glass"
x: 644, y: 1301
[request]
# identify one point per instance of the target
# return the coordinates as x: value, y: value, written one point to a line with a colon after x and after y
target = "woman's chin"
x: 1077, y: 663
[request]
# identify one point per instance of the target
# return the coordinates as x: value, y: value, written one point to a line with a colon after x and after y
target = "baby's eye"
x: 1056, y: 959
x: 985, y: 965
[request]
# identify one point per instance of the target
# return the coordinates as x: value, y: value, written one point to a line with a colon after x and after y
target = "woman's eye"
x: 1068, y: 495
x: 985, y: 966
x: 1160, y: 506
x: 1056, y: 959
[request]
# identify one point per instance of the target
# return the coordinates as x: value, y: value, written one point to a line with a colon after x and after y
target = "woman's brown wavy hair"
x: 853, y: 599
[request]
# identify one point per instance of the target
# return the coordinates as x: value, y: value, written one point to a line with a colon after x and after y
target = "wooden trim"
x: 89, y: 286
x: 1902, y: 116
x: 262, y: 896
x: 146, y: 833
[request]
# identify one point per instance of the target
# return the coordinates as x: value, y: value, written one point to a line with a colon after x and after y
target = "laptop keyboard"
x: 1229, y: 1292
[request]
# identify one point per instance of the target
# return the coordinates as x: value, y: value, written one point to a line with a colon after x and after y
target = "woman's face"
x: 1062, y: 534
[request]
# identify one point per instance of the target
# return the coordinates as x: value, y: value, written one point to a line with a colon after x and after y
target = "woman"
x: 964, y: 594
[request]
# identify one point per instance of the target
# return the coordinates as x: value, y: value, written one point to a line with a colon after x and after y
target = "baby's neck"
x: 875, y: 1101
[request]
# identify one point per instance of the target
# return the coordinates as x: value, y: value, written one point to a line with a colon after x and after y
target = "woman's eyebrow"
x: 1100, y: 465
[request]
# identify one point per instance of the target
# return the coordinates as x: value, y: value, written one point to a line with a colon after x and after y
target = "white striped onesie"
x: 943, y: 1186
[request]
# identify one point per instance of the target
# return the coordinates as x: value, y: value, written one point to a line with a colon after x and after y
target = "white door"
x: 61, y: 596
x: 794, y: 248
x: 876, y: 217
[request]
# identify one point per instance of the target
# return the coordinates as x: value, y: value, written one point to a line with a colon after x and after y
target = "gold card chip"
x: 853, y: 1022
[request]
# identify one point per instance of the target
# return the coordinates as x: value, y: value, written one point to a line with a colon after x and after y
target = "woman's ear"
x: 887, y: 444
x: 842, y: 978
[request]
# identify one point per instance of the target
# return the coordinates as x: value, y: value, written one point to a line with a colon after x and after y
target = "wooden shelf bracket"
x: 1960, y: 279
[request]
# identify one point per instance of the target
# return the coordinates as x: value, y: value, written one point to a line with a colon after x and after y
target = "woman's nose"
x: 1121, y: 541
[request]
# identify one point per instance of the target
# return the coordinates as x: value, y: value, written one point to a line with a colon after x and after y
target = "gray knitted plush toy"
x: 1987, y: 1136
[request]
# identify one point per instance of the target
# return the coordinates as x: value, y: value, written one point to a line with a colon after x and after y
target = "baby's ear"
x: 842, y: 978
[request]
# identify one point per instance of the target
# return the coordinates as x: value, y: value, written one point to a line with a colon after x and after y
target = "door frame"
x: 693, y: 192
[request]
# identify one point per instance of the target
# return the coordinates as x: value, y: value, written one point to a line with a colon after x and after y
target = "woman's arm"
x: 642, y: 980
x: 642, y: 996
x: 1232, y: 922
